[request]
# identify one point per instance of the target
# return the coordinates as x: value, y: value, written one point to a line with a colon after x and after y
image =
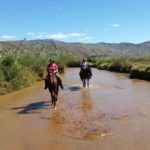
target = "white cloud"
x: 86, y: 38
x: 38, y: 35
x: 60, y: 36
x: 57, y: 36
x: 115, y: 25
x: 41, y: 33
x: 64, y: 36
x: 30, y: 33
x: 8, y: 36
x: 76, y: 34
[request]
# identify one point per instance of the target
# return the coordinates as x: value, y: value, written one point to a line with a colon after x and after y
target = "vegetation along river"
x: 112, y: 114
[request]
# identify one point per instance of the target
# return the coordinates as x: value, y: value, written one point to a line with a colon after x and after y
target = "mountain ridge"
x: 76, y: 48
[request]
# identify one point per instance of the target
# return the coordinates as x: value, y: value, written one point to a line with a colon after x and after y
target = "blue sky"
x: 87, y: 21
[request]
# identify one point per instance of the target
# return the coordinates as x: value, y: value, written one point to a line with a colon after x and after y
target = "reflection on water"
x: 57, y: 120
x: 87, y: 104
x: 112, y: 114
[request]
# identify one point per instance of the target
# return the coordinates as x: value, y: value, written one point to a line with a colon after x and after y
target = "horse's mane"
x: 52, y: 79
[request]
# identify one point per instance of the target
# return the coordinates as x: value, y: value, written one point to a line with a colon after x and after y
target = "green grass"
x: 19, y: 71
x: 138, y: 67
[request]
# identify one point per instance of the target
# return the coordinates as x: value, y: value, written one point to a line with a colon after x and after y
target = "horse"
x: 53, y: 86
x: 85, y: 75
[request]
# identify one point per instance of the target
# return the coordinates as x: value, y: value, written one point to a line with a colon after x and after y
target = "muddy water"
x: 113, y: 114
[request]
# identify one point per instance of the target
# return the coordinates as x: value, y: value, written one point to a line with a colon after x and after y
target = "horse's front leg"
x: 52, y: 96
x: 55, y: 95
x: 88, y: 83
x: 84, y: 82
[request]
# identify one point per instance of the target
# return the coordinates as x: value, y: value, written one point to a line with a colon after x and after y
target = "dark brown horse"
x: 85, y: 76
x: 53, y: 86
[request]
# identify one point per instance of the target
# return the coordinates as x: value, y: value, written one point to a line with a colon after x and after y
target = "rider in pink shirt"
x: 52, y: 67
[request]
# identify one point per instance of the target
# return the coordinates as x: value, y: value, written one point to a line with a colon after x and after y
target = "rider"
x: 52, y: 67
x: 84, y: 66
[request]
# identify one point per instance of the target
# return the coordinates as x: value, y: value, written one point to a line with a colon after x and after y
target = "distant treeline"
x: 137, y: 67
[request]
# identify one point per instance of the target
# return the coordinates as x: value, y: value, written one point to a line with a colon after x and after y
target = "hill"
x: 87, y: 49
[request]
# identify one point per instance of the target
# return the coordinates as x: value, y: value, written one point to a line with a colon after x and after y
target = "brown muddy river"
x: 113, y: 114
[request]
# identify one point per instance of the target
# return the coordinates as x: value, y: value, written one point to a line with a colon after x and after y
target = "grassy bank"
x: 19, y: 71
x: 137, y: 67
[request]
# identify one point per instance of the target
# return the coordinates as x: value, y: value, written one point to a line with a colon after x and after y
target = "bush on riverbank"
x: 138, y: 67
x: 141, y: 72
x: 118, y: 64
x: 14, y: 75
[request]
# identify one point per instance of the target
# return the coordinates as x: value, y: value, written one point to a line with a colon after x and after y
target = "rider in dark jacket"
x: 85, y: 67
